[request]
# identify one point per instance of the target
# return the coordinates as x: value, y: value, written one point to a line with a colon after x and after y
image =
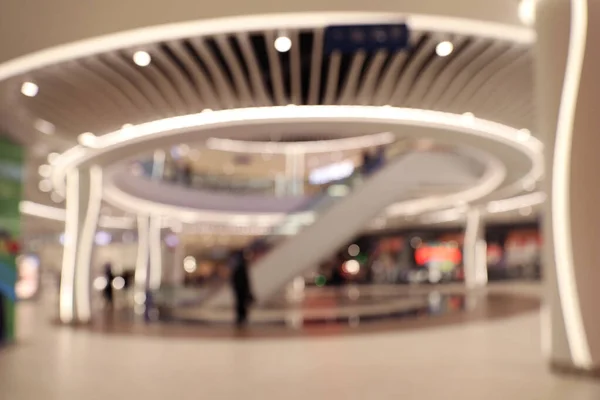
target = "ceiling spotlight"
x: 444, y: 49
x: 45, y: 170
x: 87, y: 139
x: 142, y: 58
x: 44, y: 126
x: 45, y: 185
x: 283, y: 44
x: 29, y: 89
x: 526, y: 11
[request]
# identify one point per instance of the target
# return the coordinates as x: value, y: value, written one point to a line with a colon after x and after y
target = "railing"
x: 240, y: 184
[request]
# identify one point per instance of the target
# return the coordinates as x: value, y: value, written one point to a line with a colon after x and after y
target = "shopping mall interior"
x: 297, y: 200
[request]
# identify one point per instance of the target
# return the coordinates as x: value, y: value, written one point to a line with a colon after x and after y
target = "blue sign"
x: 369, y: 38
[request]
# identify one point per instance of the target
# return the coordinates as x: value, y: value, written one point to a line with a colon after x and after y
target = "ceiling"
x: 102, y: 92
x: 488, y: 77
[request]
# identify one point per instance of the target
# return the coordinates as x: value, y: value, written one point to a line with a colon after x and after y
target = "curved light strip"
x: 316, y: 146
x: 59, y: 214
x: 563, y: 241
x: 170, y: 128
x: 493, y: 207
x: 168, y: 32
x: 515, y: 203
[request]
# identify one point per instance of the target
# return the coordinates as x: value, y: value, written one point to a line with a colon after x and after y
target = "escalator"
x: 330, y: 222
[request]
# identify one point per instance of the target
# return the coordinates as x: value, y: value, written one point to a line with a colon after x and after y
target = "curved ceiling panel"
x: 43, y: 24
x: 100, y: 93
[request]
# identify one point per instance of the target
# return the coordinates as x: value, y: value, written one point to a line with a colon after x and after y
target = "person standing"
x: 240, y: 282
x: 108, y: 289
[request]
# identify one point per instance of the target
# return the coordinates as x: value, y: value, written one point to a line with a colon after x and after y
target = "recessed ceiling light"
x: 87, y: 139
x: 526, y: 11
x: 45, y: 171
x: 283, y: 44
x: 444, y: 49
x: 142, y: 58
x: 45, y: 185
x: 44, y: 126
x: 29, y: 89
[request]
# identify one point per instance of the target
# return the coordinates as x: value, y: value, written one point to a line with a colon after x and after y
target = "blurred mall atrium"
x: 259, y: 200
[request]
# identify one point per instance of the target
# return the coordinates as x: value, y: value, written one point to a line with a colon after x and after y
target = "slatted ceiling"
x: 350, y: 82
x: 411, y: 69
x: 121, y: 91
x: 388, y: 77
x: 485, y: 74
x: 431, y: 72
x: 188, y: 98
x: 239, y: 74
x: 496, y: 91
x: 467, y: 72
x: 255, y: 74
x: 296, y: 67
x: 454, y: 67
x: 274, y: 70
x: 101, y: 93
x: 316, y: 67
x: 333, y: 76
x: 370, y: 77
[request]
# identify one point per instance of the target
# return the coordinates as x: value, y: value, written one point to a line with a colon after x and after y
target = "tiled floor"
x: 498, y: 359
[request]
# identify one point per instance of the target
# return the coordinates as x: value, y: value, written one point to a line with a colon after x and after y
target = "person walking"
x: 108, y: 291
x: 240, y: 282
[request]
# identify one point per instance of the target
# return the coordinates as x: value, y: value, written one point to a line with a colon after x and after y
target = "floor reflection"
x: 326, y: 311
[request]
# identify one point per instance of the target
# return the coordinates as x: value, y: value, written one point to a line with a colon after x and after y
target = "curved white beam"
x: 444, y: 127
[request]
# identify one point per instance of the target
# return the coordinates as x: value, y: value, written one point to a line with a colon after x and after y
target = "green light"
x: 320, y: 280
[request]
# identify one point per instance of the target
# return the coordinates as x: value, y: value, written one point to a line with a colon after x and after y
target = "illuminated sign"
x: 427, y: 254
x: 331, y: 173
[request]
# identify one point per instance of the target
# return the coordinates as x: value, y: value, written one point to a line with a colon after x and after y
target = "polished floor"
x: 484, y: 359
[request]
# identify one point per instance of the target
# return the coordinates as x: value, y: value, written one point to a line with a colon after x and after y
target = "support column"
x: 474, y: 251
x: 83, y: 201
x: 148, y: 268
x: 294, y: 170
x: 568, y: 95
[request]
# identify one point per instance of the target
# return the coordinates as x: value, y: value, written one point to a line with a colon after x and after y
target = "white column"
x: 142, y: 264
x: 83, y: 201
x: 568, y: 95
x: 474, y: 251
x: 294, y: 171
x: 148, y: 269
x: 156, y: 254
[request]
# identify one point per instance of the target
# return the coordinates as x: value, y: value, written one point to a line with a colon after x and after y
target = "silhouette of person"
x: 240, y: 282
x: 108, y: 289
